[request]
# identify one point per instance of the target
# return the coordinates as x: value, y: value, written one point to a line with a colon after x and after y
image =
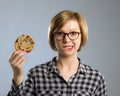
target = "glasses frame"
x: 64, y: 35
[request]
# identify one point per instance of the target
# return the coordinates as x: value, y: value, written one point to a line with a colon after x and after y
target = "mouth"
x: 68, y: 47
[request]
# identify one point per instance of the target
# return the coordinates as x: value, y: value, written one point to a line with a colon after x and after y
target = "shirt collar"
x: 53, y: 68
x: 82, y: 69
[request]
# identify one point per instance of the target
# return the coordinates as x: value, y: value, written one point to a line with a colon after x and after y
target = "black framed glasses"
x: 61, y: 35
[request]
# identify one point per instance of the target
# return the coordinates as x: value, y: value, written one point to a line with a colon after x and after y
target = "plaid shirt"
x: 46, y: 80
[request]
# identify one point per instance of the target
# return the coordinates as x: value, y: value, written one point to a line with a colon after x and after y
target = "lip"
x: 69, y: 47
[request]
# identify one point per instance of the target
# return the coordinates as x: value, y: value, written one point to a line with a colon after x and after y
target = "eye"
x: 59, y: 33
x: 73, y: 33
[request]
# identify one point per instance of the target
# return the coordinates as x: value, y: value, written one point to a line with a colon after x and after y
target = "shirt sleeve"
x: 102, y: 89
x: 15, y: 91
x: 26, y: 89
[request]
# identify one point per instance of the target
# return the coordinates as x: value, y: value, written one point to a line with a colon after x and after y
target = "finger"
x: 20, y: 61
x: 18, y: 66
x: 15, y: 53
x: 16, y: 57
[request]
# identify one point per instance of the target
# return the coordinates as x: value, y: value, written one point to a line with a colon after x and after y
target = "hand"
x: 16, y: 61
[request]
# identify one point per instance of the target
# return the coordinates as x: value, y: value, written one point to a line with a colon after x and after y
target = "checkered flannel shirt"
x: 46, y: 80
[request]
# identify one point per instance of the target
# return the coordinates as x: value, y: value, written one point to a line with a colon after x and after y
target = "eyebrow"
x: 70, y: 30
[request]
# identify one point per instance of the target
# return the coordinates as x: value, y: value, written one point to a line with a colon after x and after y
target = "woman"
x: 65, y: 74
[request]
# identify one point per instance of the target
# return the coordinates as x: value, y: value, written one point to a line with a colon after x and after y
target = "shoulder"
x: 40, y: 68
x: 92, y: 72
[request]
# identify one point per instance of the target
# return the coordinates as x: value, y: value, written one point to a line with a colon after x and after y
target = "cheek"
x: 78, y: 43
x: 56, y: 44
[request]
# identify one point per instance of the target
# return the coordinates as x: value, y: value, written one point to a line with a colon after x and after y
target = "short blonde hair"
x: 60, y: 19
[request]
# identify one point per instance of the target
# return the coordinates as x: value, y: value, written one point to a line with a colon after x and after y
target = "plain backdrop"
x: 32, y: 17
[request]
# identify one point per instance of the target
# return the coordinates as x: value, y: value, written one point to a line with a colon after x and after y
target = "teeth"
x: 68, y: 46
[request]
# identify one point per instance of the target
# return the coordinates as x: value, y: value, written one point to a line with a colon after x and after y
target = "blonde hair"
x: 60, y: 19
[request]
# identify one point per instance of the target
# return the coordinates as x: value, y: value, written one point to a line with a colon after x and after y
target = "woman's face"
x: 67, y: 46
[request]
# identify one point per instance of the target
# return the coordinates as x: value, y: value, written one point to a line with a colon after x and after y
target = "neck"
x: 67, y: 62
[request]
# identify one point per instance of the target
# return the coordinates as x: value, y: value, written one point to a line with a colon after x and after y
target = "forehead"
x: 71, y: 25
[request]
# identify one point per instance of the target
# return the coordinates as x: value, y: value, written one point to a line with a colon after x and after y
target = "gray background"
x: 33, y: 16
